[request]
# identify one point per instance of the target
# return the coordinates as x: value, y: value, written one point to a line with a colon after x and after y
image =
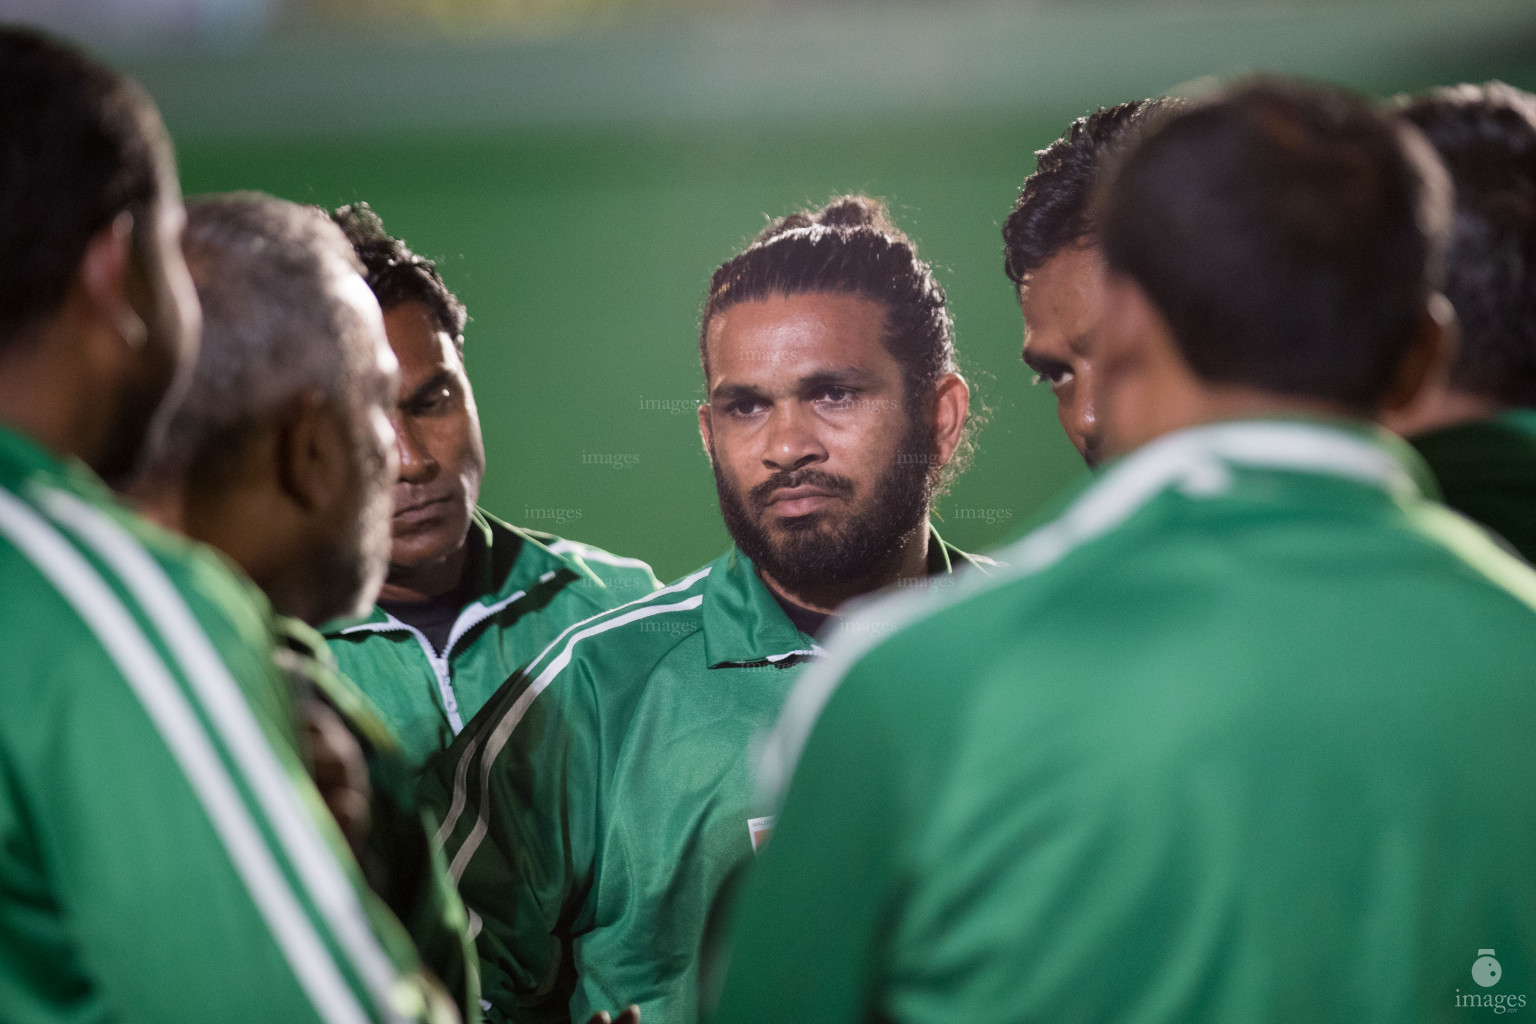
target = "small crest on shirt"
x: 760, y: 829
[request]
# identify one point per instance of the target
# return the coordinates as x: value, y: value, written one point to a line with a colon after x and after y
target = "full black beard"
x: 825, y: 560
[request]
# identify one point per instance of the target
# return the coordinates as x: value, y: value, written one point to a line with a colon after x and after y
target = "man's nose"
x: 416, y: 462
x: 791, y: 439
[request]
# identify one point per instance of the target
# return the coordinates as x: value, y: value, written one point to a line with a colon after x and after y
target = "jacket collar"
x: 508, y: 562
x: 744, y: 625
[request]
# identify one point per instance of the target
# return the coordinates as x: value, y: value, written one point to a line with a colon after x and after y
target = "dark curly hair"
x: 1486, y: 137
x: 1054, y: 208
x: 396, y: 274
x: 852, y: 246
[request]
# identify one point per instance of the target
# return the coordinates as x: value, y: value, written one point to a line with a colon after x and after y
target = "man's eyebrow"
x: 847, y: 377
x: 1079, y: 343
x: 735, y: 392
x: 442, y: 378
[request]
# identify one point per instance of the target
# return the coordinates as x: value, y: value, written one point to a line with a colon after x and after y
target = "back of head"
x: 1486, y: 137
x: 1289, y: 235
x: 396, y: 274
x: 79, y: 145
x: 848, y: 246
x: 1055, y: 206
x: 273, y: 327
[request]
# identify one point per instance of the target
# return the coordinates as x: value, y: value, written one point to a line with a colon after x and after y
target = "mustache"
x: 840, y: 486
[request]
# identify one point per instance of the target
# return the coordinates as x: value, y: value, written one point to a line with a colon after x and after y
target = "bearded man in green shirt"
x: 163, y: 857
x: 598, y: 804
x: 1244, y: 732
x: 1476, y: 424
x: 468, y: 599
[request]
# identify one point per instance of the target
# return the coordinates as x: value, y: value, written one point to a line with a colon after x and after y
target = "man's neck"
x: 429, y: 580
x: 43, y: 396
x: 910, y: 561
x: 1183, y: 402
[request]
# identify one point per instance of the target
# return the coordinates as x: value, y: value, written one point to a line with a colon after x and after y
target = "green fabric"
x: 1245, y: 735
x: 400, y: 863
x: 1487, y: 471
x: 591, y: 828
x: 120, y: 898
x: 533, y: 585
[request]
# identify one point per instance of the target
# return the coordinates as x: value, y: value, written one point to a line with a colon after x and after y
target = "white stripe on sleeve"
x: 232, y: 716
x: 183, y: 734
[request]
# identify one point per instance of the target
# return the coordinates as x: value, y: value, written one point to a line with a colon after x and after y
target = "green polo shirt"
x: 532, y: 586
x: 1245, y: 734
x: 595, y: 805
x: 164, y: 857
x: 1487, y: 471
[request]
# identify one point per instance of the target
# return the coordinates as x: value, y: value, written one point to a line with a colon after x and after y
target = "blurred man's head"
x: 1051, y: 253
x: 1275, y: 248
x: 90, y: 224
x: 442, y: 455
x: 834, y: 407
x: 281, y: 454
x: 1486, y: 137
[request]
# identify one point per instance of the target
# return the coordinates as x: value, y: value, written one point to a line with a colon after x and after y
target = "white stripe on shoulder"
x: 1197, y: 461
x: 591, y: 554
x: 461, y: 770
x: 232, y: 716
x: 170, y: 711
x: 502, y: 732
x: 1106, y: 504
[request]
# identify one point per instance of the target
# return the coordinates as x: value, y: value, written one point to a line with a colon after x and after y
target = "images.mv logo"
x: 1487, y: 972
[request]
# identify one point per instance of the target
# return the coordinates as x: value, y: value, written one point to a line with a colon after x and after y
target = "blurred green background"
x: 580, y: 170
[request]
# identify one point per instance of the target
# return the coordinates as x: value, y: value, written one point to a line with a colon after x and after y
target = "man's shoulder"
x: 632, y: 638
x: 604, y: 578
x: 73, y: 541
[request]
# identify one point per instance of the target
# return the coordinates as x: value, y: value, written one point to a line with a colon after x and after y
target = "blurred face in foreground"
x: 824, y: 468
x: 442, y: 456
x: 1062, y: 305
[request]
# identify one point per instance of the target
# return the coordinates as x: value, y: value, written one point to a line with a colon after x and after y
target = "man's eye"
x: 837, y: 396
x: 743, y: 407
x: 435, y: 400
x: 1056, y: 378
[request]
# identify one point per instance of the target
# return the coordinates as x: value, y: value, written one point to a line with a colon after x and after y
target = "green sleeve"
x: 517, y: 792
x: 113, y: 864
x: 806, y: 939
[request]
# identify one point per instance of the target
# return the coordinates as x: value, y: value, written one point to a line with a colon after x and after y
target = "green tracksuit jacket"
x: 400, y: 862
x: 1487, y: 471
x: 163, y: 856
x: 1247, y: 733
x: 534, y: 585
x: 595, y: 806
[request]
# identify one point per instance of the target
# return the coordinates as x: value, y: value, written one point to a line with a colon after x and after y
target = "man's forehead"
x: 779, y: 342
x: 423, y: 347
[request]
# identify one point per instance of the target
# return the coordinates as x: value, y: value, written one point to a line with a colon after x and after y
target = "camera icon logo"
x: 1485, y: 969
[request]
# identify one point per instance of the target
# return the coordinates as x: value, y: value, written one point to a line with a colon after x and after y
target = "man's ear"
x: 103, y: 277
x: 952, y: 403
x: 1428, y: 358
x: 313, y: 468
x: 705, y: 433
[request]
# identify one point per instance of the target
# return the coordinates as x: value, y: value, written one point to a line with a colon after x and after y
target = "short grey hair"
x: 273, y: 328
